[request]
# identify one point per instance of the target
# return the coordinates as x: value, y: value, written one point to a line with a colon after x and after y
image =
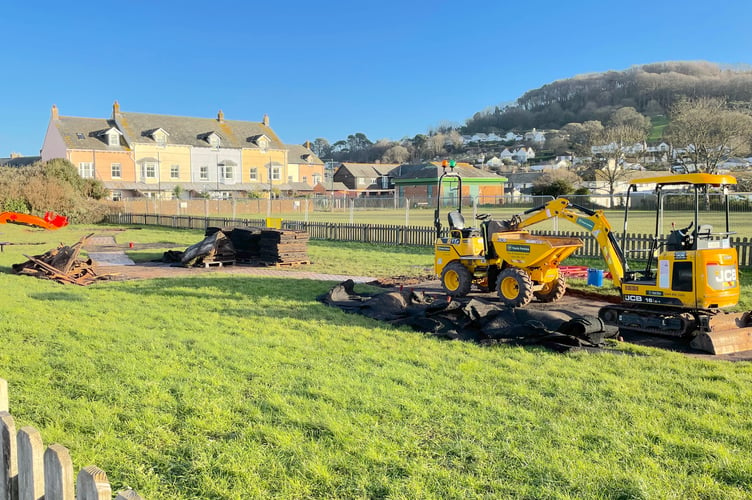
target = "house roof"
x: 300, y: 154
x: 296, y: 186
x: 86, y: 133
x: 368, y: 169
x: 191, y: 131
x: 19, y: 161
x: 434, y: 170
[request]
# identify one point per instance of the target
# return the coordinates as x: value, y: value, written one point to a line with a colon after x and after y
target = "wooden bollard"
x: 92, y: 484
x: 8, y: 463
x: 30, y: 464
x: 58, y: 474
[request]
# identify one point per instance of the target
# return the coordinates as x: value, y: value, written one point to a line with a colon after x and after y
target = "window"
x: 214, y: 141
x: 361, y: 181
x: 175, y: 172
x: 289, y: 178
x: 226, y: 171
x: 117, y: 195
x: 276, y: 173
x: 254, y: 174
x: 86, y: 170
x: 113, y: 139
x: 149, y: 170
x: 161, y: 138
x: 203, y: 173
x: 116, y: 171
x: 316, y: 179
x: 305, y: 178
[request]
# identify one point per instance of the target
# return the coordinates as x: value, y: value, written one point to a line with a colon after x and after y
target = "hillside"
x: 651, y: 89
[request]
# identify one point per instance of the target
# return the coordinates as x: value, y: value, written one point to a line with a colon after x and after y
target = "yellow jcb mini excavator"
x: 688, y: 279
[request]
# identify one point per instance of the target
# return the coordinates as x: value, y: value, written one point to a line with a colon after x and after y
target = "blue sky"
x: 328, y: 69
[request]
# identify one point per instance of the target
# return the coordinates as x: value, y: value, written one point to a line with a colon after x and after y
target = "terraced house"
x: 162, y: 156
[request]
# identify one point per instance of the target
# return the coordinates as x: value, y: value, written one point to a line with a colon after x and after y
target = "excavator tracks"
x: 714, y: 332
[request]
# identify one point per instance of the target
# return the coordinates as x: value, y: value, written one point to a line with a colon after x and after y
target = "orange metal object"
x: 51, y: 220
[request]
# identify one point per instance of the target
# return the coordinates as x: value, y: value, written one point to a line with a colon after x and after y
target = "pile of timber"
x: 215, y: 250
x: 61, y: 264
x: 279, y: 247
x: 245, y: 241
x: 248, y: 245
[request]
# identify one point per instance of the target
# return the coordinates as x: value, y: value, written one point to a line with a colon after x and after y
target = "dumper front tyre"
x: 456, y: 280
x: 514, y: 286
x: 552, y: 291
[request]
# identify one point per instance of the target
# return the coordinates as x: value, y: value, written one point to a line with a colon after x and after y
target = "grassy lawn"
x: 659, y: 125
x: 224, y: 386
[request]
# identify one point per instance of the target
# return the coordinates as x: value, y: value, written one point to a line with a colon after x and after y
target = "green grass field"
x: 235, y: 387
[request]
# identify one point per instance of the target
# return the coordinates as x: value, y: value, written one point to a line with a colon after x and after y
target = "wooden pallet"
x: 217, y: 263
x: 286, y: 264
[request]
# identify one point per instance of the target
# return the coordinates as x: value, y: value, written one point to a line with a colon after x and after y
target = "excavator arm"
x: 592, y: 220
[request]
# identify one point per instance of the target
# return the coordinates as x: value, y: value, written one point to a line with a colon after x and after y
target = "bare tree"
x: 706, y: 133
x: 616, y: 141
x: 396, y: 154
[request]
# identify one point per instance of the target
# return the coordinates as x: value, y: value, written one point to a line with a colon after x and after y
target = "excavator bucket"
x: 726, y: 333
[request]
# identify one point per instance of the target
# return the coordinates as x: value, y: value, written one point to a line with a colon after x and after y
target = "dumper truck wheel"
x: 456, y: 280
x: 552, y: 291
x: 514, y: 286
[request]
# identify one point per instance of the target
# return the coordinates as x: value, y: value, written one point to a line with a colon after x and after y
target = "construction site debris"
x: 473, y: 319
x: 214, y: 248
x: 61, y: 264
x: 249, y: 245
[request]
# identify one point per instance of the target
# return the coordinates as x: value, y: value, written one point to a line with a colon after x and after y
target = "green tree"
x: 555, y: 182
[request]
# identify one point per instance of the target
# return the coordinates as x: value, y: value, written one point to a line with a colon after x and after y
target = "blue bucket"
x: 595, y: 277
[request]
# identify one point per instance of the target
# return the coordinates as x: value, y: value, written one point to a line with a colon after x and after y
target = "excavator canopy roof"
x: 701, y: 178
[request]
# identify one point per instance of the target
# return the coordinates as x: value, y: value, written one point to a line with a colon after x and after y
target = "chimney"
x: 265, y: 120
x: 15, y: 155
x: 115, y: 109
x: 55, y: 115
x: 308, y: 144
x: 220, y: 117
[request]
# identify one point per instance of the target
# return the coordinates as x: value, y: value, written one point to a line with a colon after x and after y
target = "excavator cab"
x: 691, y: 273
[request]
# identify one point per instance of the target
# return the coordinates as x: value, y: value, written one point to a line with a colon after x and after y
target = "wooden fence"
x: 635, y: 245
x: 29, y: 472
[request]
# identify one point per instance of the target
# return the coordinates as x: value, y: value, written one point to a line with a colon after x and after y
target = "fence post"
x: 30, y: 464
x: 58, y: 474
x: 8, y: 463
x: 93, y: 484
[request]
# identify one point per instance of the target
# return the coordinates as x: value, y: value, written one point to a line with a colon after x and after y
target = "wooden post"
x: 8, y: 464
x: 93, y: 484
x: 30, y: 464
x: 58, y: 474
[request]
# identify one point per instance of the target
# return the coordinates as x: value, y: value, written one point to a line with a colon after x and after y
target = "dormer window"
x: 113, y: 139
x: 262, y: 141
x: 212, y: 138
x: 160, y: 136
